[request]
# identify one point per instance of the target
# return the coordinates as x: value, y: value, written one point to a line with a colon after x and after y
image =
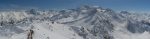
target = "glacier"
x: 85, y: 22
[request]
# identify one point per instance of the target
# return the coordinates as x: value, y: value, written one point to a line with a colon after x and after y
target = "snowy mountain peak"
x: 91, y: 8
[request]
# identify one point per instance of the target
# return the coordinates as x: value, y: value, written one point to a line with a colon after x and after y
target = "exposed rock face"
x: 30, y: 34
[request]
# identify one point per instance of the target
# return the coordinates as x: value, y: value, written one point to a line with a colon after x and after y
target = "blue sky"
x: 117, y: 5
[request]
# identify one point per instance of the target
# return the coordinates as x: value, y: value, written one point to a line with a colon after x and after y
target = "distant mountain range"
x: 86, y: 22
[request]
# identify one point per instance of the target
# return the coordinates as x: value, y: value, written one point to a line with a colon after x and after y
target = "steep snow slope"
x: 86, y: 22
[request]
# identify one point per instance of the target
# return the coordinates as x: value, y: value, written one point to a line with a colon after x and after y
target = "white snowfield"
x: 47, y: 30
x: 87, y: 22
